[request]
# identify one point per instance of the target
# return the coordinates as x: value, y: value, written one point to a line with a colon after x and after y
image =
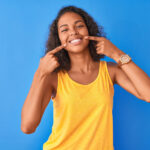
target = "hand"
x: 104, y: 46
x: 49, y: 62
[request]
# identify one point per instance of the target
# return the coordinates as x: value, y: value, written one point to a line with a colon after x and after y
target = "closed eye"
x: 80, y: 26
x: 64, y: 30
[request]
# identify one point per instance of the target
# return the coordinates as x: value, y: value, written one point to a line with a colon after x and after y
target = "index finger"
x: 57, y: 49
x: 95, y: 38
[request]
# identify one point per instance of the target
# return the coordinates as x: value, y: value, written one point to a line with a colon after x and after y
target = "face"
x: 71, y: 30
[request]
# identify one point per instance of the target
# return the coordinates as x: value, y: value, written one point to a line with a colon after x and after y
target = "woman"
x: 81, y: 84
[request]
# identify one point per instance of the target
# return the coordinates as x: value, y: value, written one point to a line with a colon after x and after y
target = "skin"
x: 84, y: 70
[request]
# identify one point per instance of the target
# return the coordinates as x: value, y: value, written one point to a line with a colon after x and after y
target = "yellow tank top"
x: 82, y: 115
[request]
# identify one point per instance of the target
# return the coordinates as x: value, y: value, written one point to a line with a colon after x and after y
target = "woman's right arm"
x: 36, y: 102
x: 40, y: 92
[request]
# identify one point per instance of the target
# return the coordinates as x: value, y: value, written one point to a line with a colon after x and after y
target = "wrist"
x: 40, y: 74
x: 117, y: 55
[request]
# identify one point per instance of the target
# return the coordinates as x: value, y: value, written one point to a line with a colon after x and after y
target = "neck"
x: 82, y: 62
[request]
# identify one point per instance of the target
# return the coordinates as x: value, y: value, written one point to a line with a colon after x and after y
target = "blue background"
x: 23, y: 33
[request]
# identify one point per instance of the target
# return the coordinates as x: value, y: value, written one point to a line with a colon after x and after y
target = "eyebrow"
x: 74, y: 23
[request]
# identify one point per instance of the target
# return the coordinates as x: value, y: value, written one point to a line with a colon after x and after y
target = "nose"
x: 73, y: 32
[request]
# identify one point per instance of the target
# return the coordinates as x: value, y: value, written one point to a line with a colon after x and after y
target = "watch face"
x: 125, y: 59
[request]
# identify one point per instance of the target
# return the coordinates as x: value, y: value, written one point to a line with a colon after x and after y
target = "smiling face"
x: 72, y: 29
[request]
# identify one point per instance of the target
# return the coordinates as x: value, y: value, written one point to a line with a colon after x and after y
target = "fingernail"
x: 65, y: 44
x: 86, y: 37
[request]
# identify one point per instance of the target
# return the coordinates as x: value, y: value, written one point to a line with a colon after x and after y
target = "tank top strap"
x: 105, y: 78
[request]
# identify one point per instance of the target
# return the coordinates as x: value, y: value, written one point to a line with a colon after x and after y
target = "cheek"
x: 62, y: 38
x: 85, y: 31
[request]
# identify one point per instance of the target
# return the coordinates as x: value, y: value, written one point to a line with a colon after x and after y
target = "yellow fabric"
x: 82, y: 115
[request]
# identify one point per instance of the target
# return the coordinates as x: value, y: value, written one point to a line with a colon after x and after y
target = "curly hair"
x: 54, y: 41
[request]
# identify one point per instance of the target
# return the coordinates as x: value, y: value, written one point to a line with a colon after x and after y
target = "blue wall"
x: 23, y: 33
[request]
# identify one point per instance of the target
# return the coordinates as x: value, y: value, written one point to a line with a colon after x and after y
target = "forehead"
x: 69, y: 18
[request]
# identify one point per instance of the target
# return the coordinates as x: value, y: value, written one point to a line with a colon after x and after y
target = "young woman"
x: 81, y: 85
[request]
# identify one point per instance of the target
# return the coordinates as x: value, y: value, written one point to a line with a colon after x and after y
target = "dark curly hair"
x: 54, y: 41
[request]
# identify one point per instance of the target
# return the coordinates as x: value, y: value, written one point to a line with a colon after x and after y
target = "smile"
x: 76, y: 41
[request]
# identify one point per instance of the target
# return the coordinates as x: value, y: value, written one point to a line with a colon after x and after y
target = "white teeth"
x: 76, y: 40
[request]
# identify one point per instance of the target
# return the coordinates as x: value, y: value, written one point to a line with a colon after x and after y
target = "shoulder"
x: 112, y: 69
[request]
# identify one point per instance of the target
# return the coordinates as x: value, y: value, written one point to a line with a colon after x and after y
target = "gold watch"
x: 124, y: 59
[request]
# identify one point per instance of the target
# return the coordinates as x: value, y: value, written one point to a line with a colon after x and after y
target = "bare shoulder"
x: 112, y: 67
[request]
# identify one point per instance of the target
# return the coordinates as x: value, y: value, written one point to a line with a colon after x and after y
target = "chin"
x: 76, y: 49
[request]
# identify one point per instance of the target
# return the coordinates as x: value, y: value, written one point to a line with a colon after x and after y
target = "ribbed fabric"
x: 82, y: 115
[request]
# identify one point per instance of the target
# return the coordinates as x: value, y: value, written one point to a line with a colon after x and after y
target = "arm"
x: 40, y: 91
x: 35, y: 103
x: 133, y: 79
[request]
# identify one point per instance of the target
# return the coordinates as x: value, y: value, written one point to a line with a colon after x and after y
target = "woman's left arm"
x: 138, y: 78
x: 129, y: 76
